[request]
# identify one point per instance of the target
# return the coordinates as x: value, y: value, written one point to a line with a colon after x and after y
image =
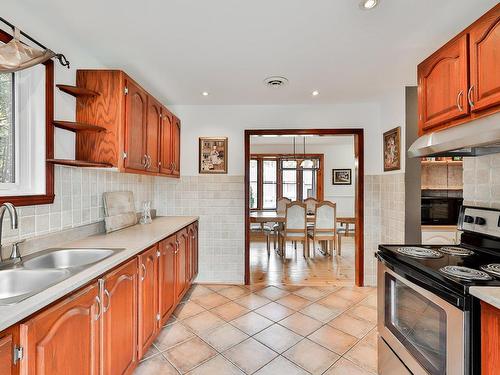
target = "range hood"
x: 475, y: 138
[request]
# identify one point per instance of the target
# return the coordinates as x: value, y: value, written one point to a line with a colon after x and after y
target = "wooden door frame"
x: 359, y: 169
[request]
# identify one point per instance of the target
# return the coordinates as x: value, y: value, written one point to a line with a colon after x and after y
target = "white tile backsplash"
x: 482, y: 181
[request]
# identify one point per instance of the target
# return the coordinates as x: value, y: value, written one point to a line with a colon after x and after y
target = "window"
x: 26, y: 134
x: 275, y: 176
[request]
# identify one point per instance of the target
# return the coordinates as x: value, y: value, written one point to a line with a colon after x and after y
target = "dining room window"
x: 273, y: 176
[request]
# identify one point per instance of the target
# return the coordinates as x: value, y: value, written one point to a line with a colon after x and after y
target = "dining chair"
x: 295, y: 228
x: 325, y: 225
x: 267, y: 230
x: 310, y: 204
x: 280, y: 209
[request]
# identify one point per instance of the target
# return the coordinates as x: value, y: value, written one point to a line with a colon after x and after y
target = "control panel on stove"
x: 480, y: 220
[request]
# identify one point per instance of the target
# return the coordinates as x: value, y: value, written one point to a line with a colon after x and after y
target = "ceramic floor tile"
x: 346, y: 367
x: 155, y: 365
x: 354, y: 294
x: 336, y: 303
x: 217, y: 366
x: 272, y: 293
x: 152, y: 351
x: 250, y: 355
x: 301, y: 324
x: 274, y: 311
x: 281, y: 366
x: 364, y: 354
x: 252, y: 301
x: 310, y: 293
x: 203, y: 322
x: 189, y: 354
x: 352, y: 325
x: 333, y: 339
x: 319, y: 312
x: 278, y: 338
x: 171, y: 335
x: 230, y: 311
x: 233, y: 292
x: 251, y: 323
x: 311, y: 356
x: 370, y: 301
x: 217, y: 287
x: 199, y: 290
x: 224, y: 337
x: 364, y: 312
x: 293, y: 301
x: 187, y: 309
x: 209, y: 301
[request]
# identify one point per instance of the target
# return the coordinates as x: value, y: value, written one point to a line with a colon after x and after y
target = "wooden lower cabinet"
x: 64, y: 339
x: 119, y: 319
x: 490, y: 339
x: 107, y: 326
x: 148, y: 298
x: 166, y: 278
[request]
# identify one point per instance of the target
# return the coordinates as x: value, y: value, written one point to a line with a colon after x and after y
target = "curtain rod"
x: 62, y: 59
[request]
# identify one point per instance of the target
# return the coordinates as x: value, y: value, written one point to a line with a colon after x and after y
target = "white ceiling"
x: 179, y: 48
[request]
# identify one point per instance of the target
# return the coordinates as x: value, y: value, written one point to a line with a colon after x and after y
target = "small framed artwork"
x: 213, y: 155
x: 341, y: 177
x: 392, y: 149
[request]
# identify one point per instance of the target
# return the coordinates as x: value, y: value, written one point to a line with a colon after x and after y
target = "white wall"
x: 338, y: 156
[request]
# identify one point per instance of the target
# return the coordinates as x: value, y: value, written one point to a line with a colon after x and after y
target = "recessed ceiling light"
x: 368, y: 4
x: 276, y: 81
x: 315, y: 93
x: 205, y: 93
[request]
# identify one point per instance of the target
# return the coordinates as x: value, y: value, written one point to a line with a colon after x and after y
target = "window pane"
x: 289, y: 176
x: 308, y: 184
x: 289, y: 164
x: 7, y: 167
x: 269, y: 197
x: 253, y: 170
x: 269, y: 167
x: 290, y: 191
x: 307, y: 164
x: 253, y: 194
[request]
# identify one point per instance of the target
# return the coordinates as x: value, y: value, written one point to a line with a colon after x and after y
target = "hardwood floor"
x: 318, y: 271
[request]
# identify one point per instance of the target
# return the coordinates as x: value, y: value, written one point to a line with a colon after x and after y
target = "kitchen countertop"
x: 488, y: 294
x: 133, y: 240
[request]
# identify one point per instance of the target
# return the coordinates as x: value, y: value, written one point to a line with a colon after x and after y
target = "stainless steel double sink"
x: 41, y: 270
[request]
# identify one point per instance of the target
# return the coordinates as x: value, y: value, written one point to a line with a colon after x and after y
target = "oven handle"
x: 423, y: 281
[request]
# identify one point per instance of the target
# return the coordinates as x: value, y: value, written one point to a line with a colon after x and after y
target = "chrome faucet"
x: 14, y: 224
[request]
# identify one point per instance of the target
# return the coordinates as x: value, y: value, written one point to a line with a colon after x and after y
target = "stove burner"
x: 456, y: 251
x: 419, y: 252
x: 493, y: 268
x: 465, y: 273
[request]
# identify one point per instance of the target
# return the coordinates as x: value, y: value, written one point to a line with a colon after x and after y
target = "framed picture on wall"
x: 341, y: 177
x: 213, y: 155
x: 392, y: 149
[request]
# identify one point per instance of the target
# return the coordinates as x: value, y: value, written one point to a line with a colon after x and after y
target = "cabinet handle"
x: 106, y: 293
x: 460, y: 94
x: 143, y: 272
x: 469, y: 96
x: 145, y: 161
x: 99, y: 305
x: 176, y: 247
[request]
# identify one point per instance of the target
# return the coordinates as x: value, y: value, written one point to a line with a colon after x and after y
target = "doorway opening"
x: 317, y: 176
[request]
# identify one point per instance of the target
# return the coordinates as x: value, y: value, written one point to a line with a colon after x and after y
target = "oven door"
x: 424, y: 331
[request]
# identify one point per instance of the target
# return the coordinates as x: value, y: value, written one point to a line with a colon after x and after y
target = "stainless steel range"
x: 428, y: 322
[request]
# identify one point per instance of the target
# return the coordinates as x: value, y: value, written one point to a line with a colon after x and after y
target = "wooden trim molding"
x: 48, y: 197
x: 359, y: 189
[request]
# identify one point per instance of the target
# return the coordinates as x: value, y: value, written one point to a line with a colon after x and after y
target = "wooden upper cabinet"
x: 148, y: 298
x: 154, y: 121
x: 166, y: 139
x: 442, y: 85
x: 64, y: 339
x: 166, y: 278
x: 485, y: 62
x: 135, y: 126
x: 176, y: 146
x: 119, y: 298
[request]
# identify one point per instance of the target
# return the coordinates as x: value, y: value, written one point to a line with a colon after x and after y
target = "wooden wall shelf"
x: 77, y: 126
x: 79, y: 163
x: 77, y: 91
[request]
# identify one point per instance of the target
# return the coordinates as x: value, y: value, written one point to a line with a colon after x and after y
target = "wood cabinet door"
x: 119, y: 298
x: 9, y: 339
x: 154, y: 120
x: 176, y: 146
x: 490, y: 339
x: 166, y: 143
x: 442, y: 85
x: 135, y: 127
x: 181, y: 263
x: 166, y: 278
x: 64, y: 339
x: 485, y: 61
x: 148, y: 298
